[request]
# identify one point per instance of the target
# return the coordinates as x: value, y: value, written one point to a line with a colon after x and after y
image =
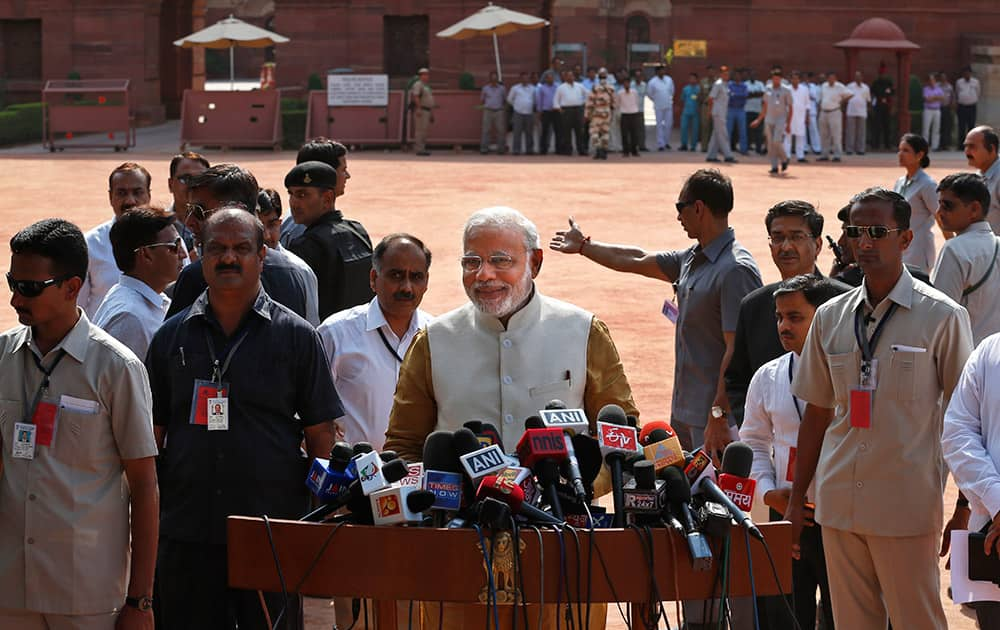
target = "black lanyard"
x: 219, y: 371
x: 795, y: 400
x: 385, y: 341
x: 867, y: 345
x: 45, y: 382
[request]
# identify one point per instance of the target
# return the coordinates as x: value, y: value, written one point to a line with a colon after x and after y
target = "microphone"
x: 736, y: 462
x: 617, y: 440
x: 388, y: 456
x: 485, y: 432
x: 678, y: 495
x: 442, y: 474
x: 391, y: 473
x: 699, y: 468
x: 555, y: 403
x: 541, y: 450
x: 478, y: 461
x: 571, y: 422
x: 510, y: 494
x: 394, y: 505
x: 644, y: 494
x: 360, y: 448
x: 588, y: 454
x: 661, y: 445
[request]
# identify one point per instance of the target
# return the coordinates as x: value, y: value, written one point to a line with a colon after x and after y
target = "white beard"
x: 506, y: 306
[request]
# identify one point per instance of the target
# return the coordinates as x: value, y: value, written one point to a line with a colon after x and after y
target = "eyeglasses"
x: 874, y: 232
x: 172, y: 247
x: 500, y: 262
x: 32, y: 288
x: 795, y: 238
x: 680, y: 205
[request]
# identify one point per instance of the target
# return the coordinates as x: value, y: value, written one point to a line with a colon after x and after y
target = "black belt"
x: 494, y: 109
x: 572, y: 106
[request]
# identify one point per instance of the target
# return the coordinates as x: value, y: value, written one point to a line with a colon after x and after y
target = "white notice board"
x: 357, y: 89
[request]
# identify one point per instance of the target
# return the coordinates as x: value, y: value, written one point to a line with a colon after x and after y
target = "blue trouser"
x: 689, y: 129
x: 737, y: 118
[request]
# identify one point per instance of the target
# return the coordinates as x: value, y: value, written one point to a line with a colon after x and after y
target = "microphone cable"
x: 724, y: 611
x: 491, y: 599
x: 753, y: 586
x: 777, y: 581
x: 579, y: 570
x: 590, y: 559
x: 518, y: 577
x: 281, y: 575
x: 654, y: 608
x: 626, y: 618
x: 563, y: 583
x: 677, y: 593
x: 541, y: 580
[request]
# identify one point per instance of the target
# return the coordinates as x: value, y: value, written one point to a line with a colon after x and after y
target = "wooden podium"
x: 411, y: 563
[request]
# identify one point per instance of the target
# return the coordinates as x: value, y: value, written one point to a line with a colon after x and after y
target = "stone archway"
x: 180, y: 69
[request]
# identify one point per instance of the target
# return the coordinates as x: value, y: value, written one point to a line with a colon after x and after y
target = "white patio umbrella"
x: 229, y: 33
x: 495, y: 21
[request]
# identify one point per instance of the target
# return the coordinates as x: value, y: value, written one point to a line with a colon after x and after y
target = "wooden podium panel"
x: 411, y: 563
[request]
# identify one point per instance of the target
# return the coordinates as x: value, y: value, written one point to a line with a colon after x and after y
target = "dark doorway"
x: 21, y: 49
x: 406, y: 44
x: 176, y: 64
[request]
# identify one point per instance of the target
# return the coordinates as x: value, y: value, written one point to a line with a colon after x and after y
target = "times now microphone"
x: 737, y: 460
x: 542, y: 450
x: 661, y: 445
x: 442, y: 474
x: 617, y: 441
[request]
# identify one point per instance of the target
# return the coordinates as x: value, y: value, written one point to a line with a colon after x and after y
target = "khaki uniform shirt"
x: 965, y: 261
x: 425, y: 97
x: 886, y: 480
x: 64, y: 515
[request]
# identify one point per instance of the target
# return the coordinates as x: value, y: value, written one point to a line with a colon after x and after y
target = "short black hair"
x: 919, y: 145
x: 796, y: 208
x: 900, y: 206
x: 228, y: 182
x: 383, y: 246
x: 712, y: 188
x: 815, y: 289
x: 219, y: 216
x: 58, y: 240
x: 968, y: 187
x: 125, y: 168
x: 133, y: 229
x: 322, y: 150
x: 187, y: 155
x: 268, y: 200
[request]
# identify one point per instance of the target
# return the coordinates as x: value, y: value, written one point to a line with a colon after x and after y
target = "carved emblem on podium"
x: 502, y: 555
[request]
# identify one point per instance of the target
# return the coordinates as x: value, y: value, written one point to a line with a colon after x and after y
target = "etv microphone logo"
x: 618, y: 437
x: 388, y: 505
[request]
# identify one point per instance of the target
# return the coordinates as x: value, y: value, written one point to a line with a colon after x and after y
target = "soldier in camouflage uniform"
x: 600, y: 102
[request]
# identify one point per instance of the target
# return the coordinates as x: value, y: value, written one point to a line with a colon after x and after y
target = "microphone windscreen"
x: 678, y: 489
x: 632, y: 421
x: 737, y: 459
x: 656, y: 425
x: 419, y: 500
x: 395, y: 470
x: 533, y: 422
x: 439, y: 452
x: 360, y: 448
x: 612, y: 414
x: 645, y: 475
x: 388, y: 456
x: 555, y: 403
x: 506, y: 491
x: 547, y: 471
x: 476, y: 426
x: 656, y: 435
x: 487, y: 430
x: 588, y: 455
x: 340, y: 455
x: 465, y: 441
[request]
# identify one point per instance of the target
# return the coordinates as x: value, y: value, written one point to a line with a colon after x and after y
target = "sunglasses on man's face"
x: 32, y: 288
x: 874, y: 232
x: 172, y: 246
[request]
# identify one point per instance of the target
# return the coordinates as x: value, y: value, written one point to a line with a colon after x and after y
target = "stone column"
x: 986, y: 67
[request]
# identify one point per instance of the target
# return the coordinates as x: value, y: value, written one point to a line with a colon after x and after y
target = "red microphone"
x: 649, y: 427
x: 509, y: 493
x: 538, y: 444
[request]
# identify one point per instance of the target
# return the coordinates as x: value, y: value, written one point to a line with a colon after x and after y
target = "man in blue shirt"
x: 689, y: 115
x: 543, y: 108
x: 736, y: 114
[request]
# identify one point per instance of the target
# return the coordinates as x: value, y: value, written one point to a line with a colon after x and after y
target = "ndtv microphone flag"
x: 739, y: 489
x: 616, y: 437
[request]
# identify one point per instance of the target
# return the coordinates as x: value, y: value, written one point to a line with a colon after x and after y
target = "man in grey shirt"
x: 718, y: 99
x: 709, y: 280
x: 493, y: 98
x: 981, y: 151
x: 777, y: 116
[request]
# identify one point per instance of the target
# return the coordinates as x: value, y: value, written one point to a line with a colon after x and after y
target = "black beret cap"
x: 316, y: 174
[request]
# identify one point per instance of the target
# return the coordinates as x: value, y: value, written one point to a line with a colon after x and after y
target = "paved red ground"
x: 628, y: 201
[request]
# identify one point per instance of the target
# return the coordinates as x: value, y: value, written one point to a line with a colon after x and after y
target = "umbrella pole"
x: 496, y: 53
x: 232, y: 78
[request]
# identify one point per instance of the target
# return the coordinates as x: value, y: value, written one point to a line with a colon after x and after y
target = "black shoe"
x: 773, y: 171
x: 836, y: 159
x: 662, y: 149
x: 667, y: 147
x: 683, y: 148
x: 822, y: 158
x: 423, y: 153
x: 712, y: 160
x: 635, y: 154
x: 483, y: 152
x: 861, y: 152
x: 731, y: 160
x: 802, y: 161
x: 597, y: 154
x: 784, y: 166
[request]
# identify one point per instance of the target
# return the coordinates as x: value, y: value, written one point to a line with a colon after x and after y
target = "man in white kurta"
x: 800, y: 116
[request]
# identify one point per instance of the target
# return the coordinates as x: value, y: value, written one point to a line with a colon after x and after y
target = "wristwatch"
x: 719, y: 412
x: 140, y: 603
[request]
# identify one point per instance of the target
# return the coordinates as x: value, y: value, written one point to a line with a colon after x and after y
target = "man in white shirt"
x: 970, y: 443
x: 967, y: 92
x: 568, y: 101
x: 128, y: 187
x: 981, y: 151
x: 183, y: 166
x: 660, y: 90
x: 800, y: 118
x: 522, y: 98
x: 365, y: 345
x: 148, y: 251
x: 833, y: 94
x: 814, y: 83
x: 966, y: 269
x: 771, y: 428
x: 857, y: 115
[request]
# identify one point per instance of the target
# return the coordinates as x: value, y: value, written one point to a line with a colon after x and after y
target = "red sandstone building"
x: 50, y: 39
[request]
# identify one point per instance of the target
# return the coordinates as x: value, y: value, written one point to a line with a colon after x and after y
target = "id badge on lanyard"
x: 862, y: 398
x: 39, y: 426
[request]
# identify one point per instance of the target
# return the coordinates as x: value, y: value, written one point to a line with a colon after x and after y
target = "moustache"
x: 223, y: 267
x: 403, y: 295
